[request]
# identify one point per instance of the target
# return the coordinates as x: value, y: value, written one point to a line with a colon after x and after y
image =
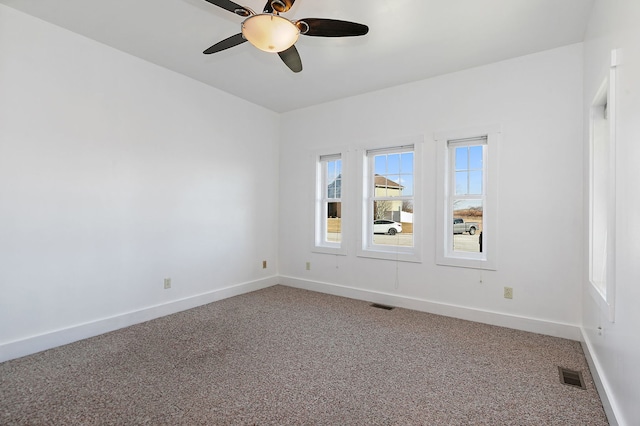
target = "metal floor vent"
x: 379, y: 306
x: 571, y: 378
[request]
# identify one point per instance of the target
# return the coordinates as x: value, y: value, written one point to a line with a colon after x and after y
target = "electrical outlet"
x: 308, y: 266
x: 167, y: 283
x: 264, y: 264
x: 508, y: 292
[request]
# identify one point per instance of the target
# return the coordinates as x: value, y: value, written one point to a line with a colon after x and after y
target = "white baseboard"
x: 599, y: 380
x: 34, y: 344
x: 566, y: 331
x: 56, y: 338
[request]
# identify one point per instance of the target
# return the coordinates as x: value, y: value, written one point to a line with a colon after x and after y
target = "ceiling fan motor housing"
x: 281, y: 6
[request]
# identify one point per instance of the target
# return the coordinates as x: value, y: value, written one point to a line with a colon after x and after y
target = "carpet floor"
x: 284, y: 356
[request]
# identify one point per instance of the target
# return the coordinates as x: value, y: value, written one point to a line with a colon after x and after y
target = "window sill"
x: 390, y: 255
x: 329, y: 250
x: 461, y: 262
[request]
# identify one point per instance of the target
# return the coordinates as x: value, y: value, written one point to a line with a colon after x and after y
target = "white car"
x: 383, y: 226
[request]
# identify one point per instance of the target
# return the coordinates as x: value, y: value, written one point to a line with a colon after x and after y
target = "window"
x: 602, y: 195
x: 329, y: 180
x: 467, y: 199
x: 599, y: 188
x: 390, y: 203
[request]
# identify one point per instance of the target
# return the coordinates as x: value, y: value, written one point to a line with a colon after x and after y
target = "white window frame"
x: 446, y: 143
x: 321, y: 245
x: 603, y: 255
x: 366, y: 247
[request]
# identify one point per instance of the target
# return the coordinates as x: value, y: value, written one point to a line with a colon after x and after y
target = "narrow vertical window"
x: 329, y: 202
x: 599, y: 187
x: 602, y: 193
x: 467, y: 198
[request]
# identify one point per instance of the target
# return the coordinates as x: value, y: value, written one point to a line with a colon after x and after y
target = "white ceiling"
x: 408, y: 40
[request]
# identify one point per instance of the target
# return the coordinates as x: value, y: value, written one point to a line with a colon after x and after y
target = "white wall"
x: 114, y: 174
x: 615, y: 349
x: 537, y: 100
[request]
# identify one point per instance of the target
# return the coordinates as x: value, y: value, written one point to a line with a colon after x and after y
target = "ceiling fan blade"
x: 291, y: 58
x: 234, y: 40
x: 231, y: 7
x: 279, y: 6
x: 318, y: 27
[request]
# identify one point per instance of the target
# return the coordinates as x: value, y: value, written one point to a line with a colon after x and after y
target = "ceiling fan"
x: 270, y: 32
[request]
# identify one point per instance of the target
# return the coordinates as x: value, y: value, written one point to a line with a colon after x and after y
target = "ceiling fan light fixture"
x: 270, y: 32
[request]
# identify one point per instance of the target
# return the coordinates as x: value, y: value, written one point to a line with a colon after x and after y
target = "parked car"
x: 383, y: 226
x: 460, y: 226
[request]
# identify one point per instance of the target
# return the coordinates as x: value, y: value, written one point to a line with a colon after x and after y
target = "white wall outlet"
x: 508, y: 292
x: 264, y: 264
x: 167, y: 283
x: 308, y: 266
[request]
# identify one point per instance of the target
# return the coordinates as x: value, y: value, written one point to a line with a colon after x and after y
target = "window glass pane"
x: 382, y: 209
x: 334, y: 179
x: 380, y: 186
x: 394, y: 189
x: 475, y: 183
x: 393, y: 163
x: 334, y: 223
x: 380, y: 164
x: 462, y: 181
x: 407, y: 185
x: 335, y: 189
x: 406, y: 164
x: 393, y: 223
x: 331, y: 170
x: 467, y: 225
x: 475, y: 157
x: 599, y: 188
x: 462, y: 158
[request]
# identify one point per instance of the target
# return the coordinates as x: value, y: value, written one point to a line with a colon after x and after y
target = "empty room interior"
x: 402, y: 170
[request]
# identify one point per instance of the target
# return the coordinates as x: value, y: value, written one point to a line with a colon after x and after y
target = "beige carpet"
x: 283, y: 356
